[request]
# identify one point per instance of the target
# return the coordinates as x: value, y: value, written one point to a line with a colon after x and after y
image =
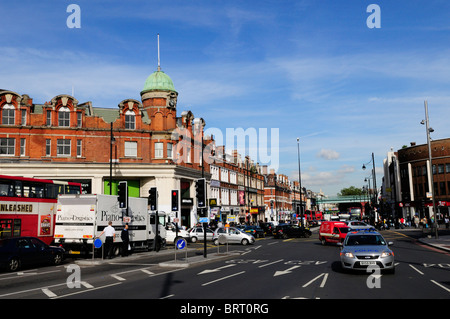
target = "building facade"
x: 278, y: 197
x: 237, y: 187
x: 141, y: 142
x: 416, y: 175
x: 391, y: 205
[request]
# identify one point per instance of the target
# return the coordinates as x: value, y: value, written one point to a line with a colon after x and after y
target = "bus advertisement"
x: 28, y: 206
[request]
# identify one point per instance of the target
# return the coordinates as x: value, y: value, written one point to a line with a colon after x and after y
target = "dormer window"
x: 130, y: 120
x: 64, y: 116
x: 8, y: 114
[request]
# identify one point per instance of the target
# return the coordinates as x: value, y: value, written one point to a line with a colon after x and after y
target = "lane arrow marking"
x: 284, y: 272
x: 208, y: 271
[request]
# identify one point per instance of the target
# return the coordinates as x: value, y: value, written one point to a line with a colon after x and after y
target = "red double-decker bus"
x: 313, y: 215
x: 28, y: 206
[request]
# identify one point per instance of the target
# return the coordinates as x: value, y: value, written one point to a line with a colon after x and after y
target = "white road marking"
x: 208, y: 271
x: 314, y: 279
x: 416, y: 269
x: 443, y: 287
x: 284, y: 272
x: 118, y: 277
x: 274, y: 262
x: 49, y: 293
x: 223, y: 278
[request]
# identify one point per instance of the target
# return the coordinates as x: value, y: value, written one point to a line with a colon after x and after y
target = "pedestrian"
x: 110, y: 234
x: 125, y: 236
x: 446, y: 222
x: 416, y: 221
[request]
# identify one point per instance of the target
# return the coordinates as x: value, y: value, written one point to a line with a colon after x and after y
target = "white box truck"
x: 81, y: 218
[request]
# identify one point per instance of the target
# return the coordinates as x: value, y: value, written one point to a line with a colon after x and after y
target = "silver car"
x: 196, y: 234
x: 362, y: 249
x: 232, y: 235
x: 356, y: 225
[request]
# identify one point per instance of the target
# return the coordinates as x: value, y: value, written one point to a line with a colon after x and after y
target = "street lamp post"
x: 111, y: 142
x: 300, y: 184
x: 374, y: 177
x: 428, y: 131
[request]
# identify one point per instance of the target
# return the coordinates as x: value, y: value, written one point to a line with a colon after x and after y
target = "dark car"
x: 267, y: 227
x: 254, y: 230
x: 19, y: 251
x: 290, y: 231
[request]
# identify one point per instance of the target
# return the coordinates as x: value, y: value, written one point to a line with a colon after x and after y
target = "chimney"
x: 264, y: 170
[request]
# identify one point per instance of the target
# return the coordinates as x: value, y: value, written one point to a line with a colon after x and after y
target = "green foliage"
x: 352, y: 190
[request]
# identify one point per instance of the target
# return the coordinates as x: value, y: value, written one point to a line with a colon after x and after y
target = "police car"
x: 366, y: 248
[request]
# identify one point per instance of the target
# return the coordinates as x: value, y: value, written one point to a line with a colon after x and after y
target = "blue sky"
x: 312, y: 69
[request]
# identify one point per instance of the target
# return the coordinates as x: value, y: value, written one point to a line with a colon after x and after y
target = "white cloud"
x: 328, y: 154
x: 330, y: 181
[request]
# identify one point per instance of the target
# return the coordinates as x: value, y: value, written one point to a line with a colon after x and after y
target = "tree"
x: 349, y: 191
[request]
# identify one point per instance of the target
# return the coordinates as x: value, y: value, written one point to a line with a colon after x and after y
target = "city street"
x: 131, y: 131
x: 277, y: 269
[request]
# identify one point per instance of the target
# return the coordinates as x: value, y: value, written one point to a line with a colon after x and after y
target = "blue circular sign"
x: 181, y: 244
x: 98, y: 243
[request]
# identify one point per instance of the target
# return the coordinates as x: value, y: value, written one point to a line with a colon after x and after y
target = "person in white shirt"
x: 110, y: 234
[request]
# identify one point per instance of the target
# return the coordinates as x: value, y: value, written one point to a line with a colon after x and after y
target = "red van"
x: 333, y: 232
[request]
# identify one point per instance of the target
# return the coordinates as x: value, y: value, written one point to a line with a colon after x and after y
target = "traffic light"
x: 153, y: 198
x: 123, y: 195
x: 200, y: 189
x: 175, y: 202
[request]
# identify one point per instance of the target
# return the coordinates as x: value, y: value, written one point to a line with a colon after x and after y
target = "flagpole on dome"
x: 159, y: 61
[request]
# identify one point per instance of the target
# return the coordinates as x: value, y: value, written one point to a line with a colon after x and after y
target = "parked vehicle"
x: 81, y: 218
x: 27, y: 206
x: 362, y: 249
x: 172, y: 234
x: 320, y: 221
x: 267, y: 227
x: 233, y: 236
x: 255, y: 231
x: 196, y: 234
x: 20, y: 251
x: 289, y: 231
x: 333, y: 232
x: 356, y: 225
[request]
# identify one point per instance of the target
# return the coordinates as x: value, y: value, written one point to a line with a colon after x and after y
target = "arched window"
x: 64, y: 116
x: 130, y: 120
x: 8, y: 114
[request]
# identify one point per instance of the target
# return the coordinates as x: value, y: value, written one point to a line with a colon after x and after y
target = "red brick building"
x: 238, y: 187
x: 415, y: 178
x: 137, y: 141
x: 277, y: 197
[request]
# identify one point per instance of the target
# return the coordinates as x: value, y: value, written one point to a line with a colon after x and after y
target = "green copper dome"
x: 158, y: 81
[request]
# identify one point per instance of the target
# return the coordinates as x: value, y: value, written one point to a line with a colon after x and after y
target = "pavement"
x: 441, y: 242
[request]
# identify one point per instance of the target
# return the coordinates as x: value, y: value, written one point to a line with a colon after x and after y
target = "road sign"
x: 222, y: 239
x: 98, y: 243
x: 181, y: 244
x: 203, y: 220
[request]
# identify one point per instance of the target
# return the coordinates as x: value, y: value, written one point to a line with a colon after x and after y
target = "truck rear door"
x: 75, y: 218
